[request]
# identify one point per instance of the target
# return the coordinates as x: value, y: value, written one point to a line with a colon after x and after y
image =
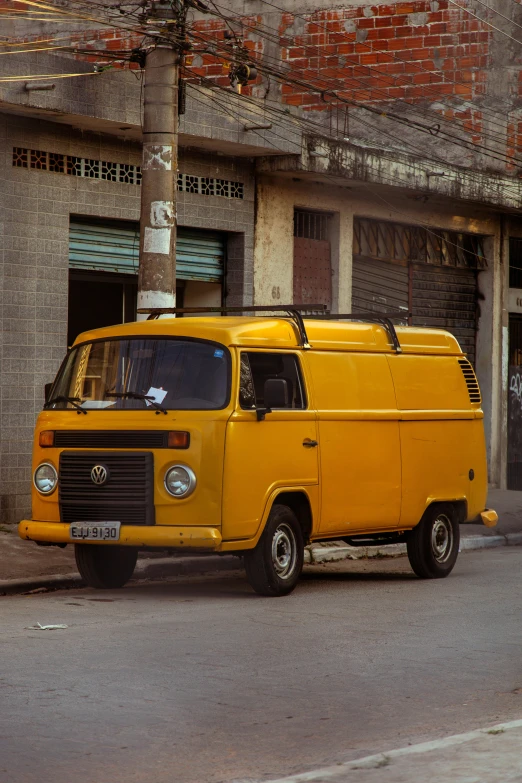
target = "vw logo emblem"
x: 99, y: 475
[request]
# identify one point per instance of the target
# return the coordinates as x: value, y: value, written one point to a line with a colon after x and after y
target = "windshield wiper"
x: 132, y: 395
x: 72, y: 400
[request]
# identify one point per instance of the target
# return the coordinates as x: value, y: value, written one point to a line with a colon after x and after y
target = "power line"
x: 299, y: 121
x: 468, y: 145
x: 493, y: 27
x: 429, y: 229
x: 386, y: 53
x: 285, y: 78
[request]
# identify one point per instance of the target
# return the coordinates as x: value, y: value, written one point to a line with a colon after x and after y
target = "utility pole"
x: 157, y: 265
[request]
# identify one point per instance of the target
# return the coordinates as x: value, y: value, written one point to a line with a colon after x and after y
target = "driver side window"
x: 256, y: 368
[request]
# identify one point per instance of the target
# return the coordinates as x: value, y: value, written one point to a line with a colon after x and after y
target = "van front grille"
x: 111, y: 439
x: 126, y: 496
x: 471, y: 381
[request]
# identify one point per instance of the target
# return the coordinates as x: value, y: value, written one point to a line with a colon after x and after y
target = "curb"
x: 330, y: 554
x: 157, y: 568
x: 163, y: 567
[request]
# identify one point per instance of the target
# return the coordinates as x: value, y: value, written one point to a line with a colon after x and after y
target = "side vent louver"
x: 471, y: 381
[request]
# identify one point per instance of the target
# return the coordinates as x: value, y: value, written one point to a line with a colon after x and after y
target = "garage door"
x: 114, y: 247
x: 429, y: 273
x: 446, y: 298
x: 379, y: 287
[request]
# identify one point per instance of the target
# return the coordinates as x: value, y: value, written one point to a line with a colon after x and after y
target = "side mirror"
x: 275, y: 392
x: 47, y: 390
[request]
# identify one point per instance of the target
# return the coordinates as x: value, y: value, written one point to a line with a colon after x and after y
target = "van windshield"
x: 140, y: 374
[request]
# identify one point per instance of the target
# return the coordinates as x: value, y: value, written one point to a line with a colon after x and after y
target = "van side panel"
x: 429, y: 383
x: 479, y: 486
x: 260, y: 457
x: 441, y: 435
x: 359, y: 448
x: 436, y: 460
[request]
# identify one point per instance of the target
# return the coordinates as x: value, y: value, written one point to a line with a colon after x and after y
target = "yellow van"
x: 256, y: 436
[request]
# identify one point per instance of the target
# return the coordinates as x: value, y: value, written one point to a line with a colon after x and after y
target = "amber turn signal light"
x: 46, y: 438
x: 179, y: 440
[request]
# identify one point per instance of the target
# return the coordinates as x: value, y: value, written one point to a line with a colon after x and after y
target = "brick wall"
x: 425, y: 60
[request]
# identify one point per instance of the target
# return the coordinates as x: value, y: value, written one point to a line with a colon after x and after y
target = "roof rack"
x: 384, y: 319
x: 292, y: 311
x: 314, y: 311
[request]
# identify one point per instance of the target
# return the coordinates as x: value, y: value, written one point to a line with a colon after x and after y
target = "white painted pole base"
x: 148, y: 300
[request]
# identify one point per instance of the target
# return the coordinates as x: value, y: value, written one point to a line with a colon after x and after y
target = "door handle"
x: 309, y: 444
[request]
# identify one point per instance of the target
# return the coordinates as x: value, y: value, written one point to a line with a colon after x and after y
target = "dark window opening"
x: 311, y: 225
x: 256, y: 368
x: 98, y: 299
x: 515, y: 263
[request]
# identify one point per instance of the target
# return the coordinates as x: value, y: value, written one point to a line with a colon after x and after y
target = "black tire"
x: 105, y: 567
x: 273, y: 568
x: 433, y: 546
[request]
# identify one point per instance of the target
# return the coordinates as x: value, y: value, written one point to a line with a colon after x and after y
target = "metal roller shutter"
x: 115, y: 248
x: 379, y: 286
x: 446, y: 297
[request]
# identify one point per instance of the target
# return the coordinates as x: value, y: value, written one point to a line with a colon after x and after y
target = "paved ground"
x: 24, y: 560
x: 201, y: 681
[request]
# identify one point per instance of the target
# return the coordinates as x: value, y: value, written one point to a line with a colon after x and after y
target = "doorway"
x: 514, y: 450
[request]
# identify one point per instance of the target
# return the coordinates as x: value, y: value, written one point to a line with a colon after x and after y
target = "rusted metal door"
x: 312, y: 259
x: 431, y: 273
x: 379, y: 287
x: 446, y: 297
x: 514, y: 451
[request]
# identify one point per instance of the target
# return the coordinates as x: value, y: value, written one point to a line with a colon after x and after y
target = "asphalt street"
x: 198, y: 680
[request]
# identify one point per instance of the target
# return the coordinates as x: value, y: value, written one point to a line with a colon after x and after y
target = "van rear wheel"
x: 433, y: 545
x: 105, y: 567
x: 274, y: 566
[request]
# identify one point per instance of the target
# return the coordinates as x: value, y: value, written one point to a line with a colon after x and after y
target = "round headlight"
x: 180, y: 481
x: 45, y: 478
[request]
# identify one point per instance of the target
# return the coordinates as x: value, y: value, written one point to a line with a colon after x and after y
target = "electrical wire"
x: 490, y: 8
x: 493, y: 27
x: 40, y: 77
x: 374, y: 49
x: 429, y: 229
x: 515, y: 194
x: 470, y: 145
x: 276, y: 37
x: 285, y: 78
x: 373, y: 69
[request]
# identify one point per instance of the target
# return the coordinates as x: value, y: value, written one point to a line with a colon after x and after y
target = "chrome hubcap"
x: 284, y: 551
x: 441, y: 538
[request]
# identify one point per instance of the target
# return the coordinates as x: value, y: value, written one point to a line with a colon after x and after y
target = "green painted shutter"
x: 111, y: 248
x: 199, y: 255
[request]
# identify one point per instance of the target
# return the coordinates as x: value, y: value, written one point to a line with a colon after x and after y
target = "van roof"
x: 281, y: 333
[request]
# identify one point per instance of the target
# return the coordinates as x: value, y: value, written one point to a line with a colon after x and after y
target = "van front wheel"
x: 274, y: 566
x: 105, y: 567
x: 433, y: 545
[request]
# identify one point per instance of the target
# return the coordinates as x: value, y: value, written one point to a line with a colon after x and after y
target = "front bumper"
x: 163, y: 536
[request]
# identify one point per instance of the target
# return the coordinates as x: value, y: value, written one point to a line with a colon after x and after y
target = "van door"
x: 359, y: 446
x: 261, y: 456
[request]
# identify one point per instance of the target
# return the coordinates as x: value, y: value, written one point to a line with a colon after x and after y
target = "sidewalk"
x: 488, y: 755
x: 23, y: 564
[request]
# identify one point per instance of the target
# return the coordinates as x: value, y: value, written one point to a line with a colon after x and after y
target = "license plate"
x: 100, y: 531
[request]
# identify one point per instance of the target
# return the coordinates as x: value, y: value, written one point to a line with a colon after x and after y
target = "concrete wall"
x: 273, y: 254
x: 35, y: 212
x: 274, y: 240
